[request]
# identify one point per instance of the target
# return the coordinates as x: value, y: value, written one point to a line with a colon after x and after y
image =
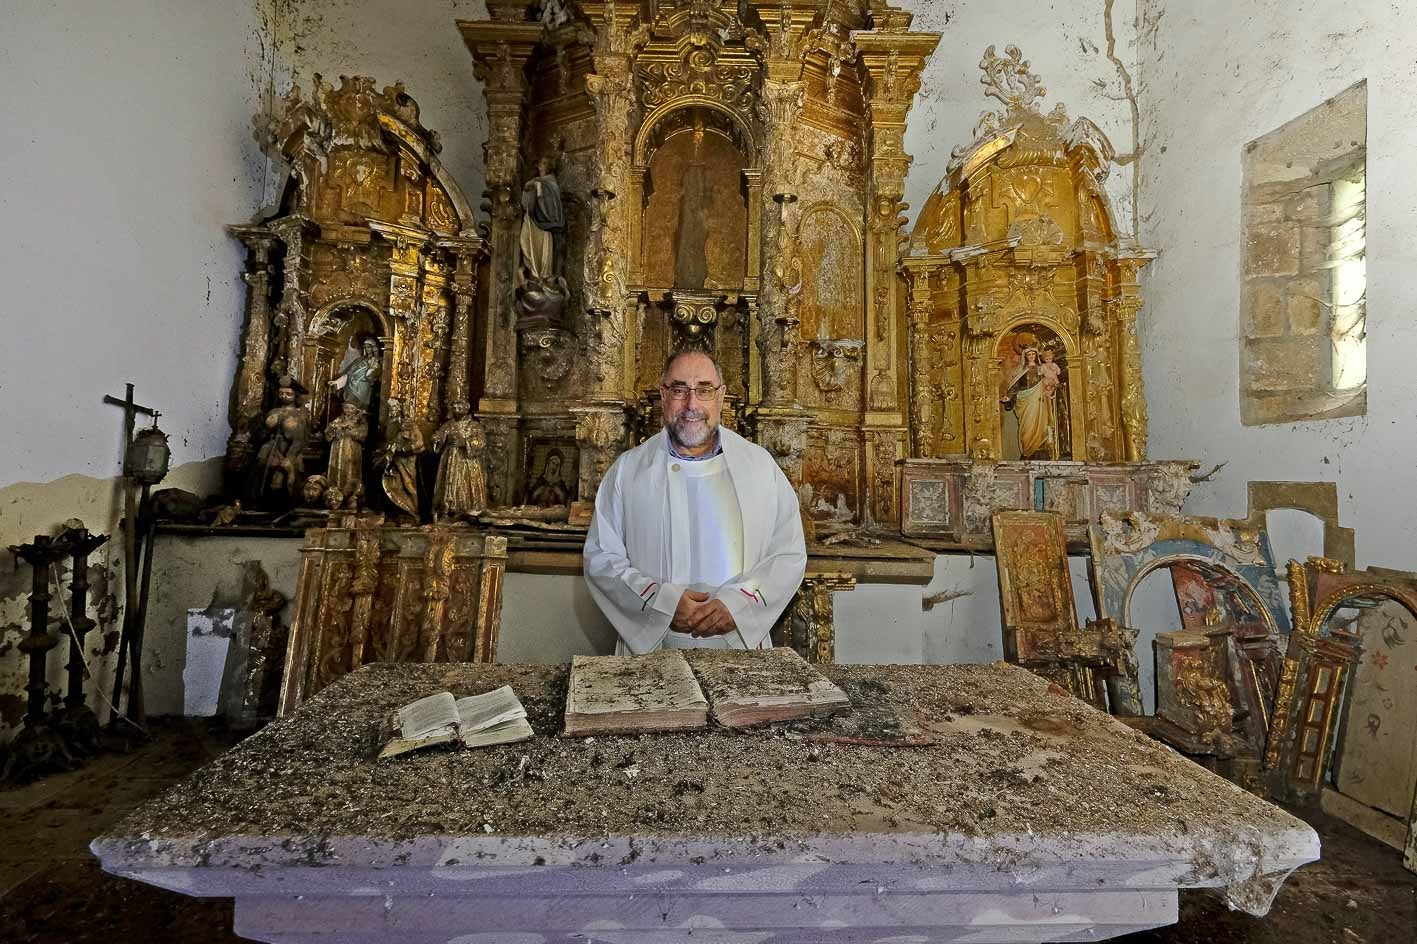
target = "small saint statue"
x: 400, y: 461
x: 541, y: 287
x: 280, y: 462
x: 461, y: 487
x: 357, y: 381
x: 346, y: 434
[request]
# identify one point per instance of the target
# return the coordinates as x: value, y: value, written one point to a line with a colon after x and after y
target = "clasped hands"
x: 699, y: 615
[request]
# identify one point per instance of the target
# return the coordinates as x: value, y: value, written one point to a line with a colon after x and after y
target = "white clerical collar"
x: 715, y: 451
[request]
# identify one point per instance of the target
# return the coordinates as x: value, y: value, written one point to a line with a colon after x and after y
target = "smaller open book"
x: 496, y: 717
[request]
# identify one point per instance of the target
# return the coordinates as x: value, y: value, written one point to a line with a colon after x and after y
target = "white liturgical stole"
x: 707, y: 534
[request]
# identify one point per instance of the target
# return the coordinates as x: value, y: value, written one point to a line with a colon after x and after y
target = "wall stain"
x: 12, y: 709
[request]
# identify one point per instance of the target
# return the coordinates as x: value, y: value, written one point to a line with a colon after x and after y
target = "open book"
x: 633, y: 694
x: 496, y: 717
x: 763, y: 685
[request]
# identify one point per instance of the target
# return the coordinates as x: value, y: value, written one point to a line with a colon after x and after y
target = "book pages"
x: 495, y: 717
x: 506, y: 732
x: 631, y: 694
x: 763, y: 685
x: 427, y: 715
x: 479, y: 712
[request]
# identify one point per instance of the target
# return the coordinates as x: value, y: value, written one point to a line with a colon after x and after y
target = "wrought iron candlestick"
x: 38, y: 748
x: 78, y: 723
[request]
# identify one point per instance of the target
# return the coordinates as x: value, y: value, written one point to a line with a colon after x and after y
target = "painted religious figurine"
x: 400, y: 461
x: 280, y: 462
x: 346, y: 434
x: 461, y: 487
x: 357, y: 381
x: 540, y: 287
x: 1032, y: 396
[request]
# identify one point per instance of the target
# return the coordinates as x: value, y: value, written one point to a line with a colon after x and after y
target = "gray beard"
x: 689, y: 441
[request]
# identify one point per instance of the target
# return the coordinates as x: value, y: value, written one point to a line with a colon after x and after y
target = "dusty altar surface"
x: 1018, y: 813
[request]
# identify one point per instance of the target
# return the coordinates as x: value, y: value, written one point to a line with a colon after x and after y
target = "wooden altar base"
x: 1031, y: 818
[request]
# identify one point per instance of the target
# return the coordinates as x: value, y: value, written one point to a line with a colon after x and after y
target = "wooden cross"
x: 129, y: 640
x: 130, y: 412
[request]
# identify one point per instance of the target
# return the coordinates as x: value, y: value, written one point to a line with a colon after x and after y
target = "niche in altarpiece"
x: 1033, y: 394
x: 696, y: 213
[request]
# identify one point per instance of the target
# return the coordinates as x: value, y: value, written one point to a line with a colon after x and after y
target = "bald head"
x: 678, y: 356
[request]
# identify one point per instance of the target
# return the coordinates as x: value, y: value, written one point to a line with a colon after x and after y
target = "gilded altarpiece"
x: 372, y: 259
x: 1023, y: 298
x: 731, y: 178
x: 1025, y: 369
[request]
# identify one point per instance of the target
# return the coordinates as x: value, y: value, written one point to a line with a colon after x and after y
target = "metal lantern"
x: 147, y: 458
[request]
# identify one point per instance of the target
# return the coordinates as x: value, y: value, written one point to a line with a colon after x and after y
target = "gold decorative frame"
x: 1316, y: 668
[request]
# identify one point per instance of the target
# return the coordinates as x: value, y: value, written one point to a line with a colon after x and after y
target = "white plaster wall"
x: 124, y: 146
x: 883, y: 624
x: 1214, y: 76
x: 549, y: 618
x: 201, y: 573
x: 1066, y: 42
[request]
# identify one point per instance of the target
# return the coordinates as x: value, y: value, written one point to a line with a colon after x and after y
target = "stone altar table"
x: 1031, y: 817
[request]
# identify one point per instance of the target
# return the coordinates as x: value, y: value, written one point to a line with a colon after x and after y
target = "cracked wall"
x: 1205, y: 93
x: 391, y: 40
x: 1085, y: 50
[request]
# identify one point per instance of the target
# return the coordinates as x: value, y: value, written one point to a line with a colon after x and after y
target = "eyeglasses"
x: 679, y: 392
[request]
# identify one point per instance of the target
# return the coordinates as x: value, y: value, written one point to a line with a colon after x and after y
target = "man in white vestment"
x: 696, y: 539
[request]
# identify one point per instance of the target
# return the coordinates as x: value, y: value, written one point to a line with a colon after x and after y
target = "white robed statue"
x: 697, y: 538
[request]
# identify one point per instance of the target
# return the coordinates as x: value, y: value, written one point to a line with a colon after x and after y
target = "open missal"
x: 496, y: 717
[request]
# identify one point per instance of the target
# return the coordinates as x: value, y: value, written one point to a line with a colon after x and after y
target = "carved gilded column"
x: 607, y: 258
x: 465, y: 252
x: 407, y: 247
x: 892, y: 61
x: 779, y: 300
x: 753, y: 183
x: 433, y: 336
x: 981, y: 373
x: 922, y: 378
x: 780, y: 102
x: 1128, y: 303
x: 500, y: 50
x: 600, y: 435
x: 295, y: 233
x: 248, y: 403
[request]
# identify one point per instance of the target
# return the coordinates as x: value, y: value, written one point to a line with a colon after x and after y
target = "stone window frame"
x: 1291, y: 335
